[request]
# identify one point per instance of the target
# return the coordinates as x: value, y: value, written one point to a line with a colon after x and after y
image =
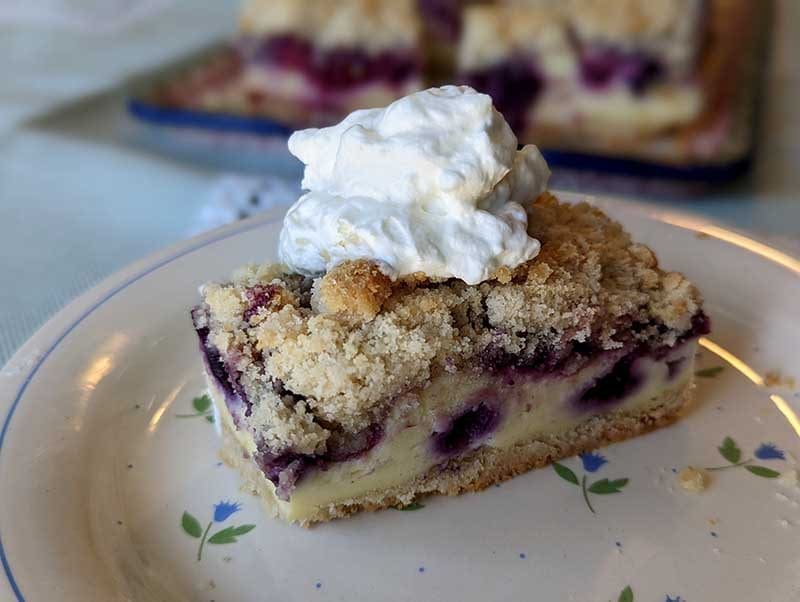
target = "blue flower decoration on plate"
x: 676, y: 599
x: 223, y: 510
x: 769, y: 451
x: 592, y: 461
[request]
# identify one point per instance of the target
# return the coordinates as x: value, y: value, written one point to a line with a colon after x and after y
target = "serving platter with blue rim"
x: 111, y: 487
x: 217, y: 138
x: 256, y: 142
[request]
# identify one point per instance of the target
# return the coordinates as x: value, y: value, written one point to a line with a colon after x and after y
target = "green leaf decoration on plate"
x: 709, y: 372
x: 730, y: 451
x: 229, y: 534
x: 592, y: 462
x: 604, y: 486
x: 201, y: 404
x: 565, y: 473
x: 222, y: 512
x: 202, y: 408
x: 411, y: 507
x: 766, y: 451
x: 191, y: 525
x: 221, y: 538
x: 626, y: 595
x: 763, y: 471
x: 242, y: 529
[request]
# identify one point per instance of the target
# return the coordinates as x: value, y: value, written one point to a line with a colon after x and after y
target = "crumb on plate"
x: 774, y: 378
x: 693, y: 480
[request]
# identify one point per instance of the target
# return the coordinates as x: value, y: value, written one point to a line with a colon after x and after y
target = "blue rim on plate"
x: 219, y: 122
x: 710, y: 174
x: 154, y: 114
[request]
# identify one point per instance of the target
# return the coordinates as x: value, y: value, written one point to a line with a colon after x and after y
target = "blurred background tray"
x: 256, y: 143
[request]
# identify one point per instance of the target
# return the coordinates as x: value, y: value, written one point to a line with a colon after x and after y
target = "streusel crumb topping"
x: 341, y: 347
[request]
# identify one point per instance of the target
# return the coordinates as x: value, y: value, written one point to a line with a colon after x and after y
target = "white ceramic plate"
x: 97, y: 466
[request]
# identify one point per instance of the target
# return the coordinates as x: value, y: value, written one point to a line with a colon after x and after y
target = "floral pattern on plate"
x: 222, y: 512
x: 202, y: 408
x: 592, y: 462
x: 731, y: 451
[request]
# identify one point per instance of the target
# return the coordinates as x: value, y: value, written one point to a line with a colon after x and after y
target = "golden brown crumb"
x: 773, y: 378
x: 693, y: 480
x: 358, y: 287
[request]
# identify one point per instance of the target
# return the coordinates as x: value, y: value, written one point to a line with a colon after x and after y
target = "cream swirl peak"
x: 432, y: 183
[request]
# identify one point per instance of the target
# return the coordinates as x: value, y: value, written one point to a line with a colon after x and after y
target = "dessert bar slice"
x: 352, y: 391
x: 628, y: 78
x: 306, y: 62
x: 618, y: 69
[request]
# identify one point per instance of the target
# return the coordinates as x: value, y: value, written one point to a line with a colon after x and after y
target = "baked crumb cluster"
x: 326, y: 355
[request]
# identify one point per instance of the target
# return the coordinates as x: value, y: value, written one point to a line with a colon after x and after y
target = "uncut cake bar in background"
x: 307, y: 61
x: 656, y: 80
x: 662, y: 89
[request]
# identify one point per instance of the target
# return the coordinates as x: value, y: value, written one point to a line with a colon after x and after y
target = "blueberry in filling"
x: 701, y: 324
x: 344, y: 67
x: 514, y: 85
x: 342, y: 446
x: 621, y: 381
x: 545, y: 359
x: 258, y: 296
x: 226, y: 376
x: 443, y: 17
x: 466, y: 429
x: 602, y: 66
x: 283, y: 470
x: 287, y: 51
x: 570, y: 356
x: 286, y: 469
x: 495, y: 358
x: 215, y: 365
x: 334, y: 68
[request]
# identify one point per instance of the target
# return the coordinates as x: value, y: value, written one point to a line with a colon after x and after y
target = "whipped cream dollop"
x: 432, y: 183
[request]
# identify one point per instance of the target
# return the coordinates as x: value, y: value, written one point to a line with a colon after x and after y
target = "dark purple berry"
x: 442, y: 17
x: 466, y: 429
x: 513, y: 85
x: 602, y: 66
x: 258, y: 296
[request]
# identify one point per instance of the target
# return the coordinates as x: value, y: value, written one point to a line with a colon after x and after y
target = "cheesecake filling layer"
x: 456, y: 414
